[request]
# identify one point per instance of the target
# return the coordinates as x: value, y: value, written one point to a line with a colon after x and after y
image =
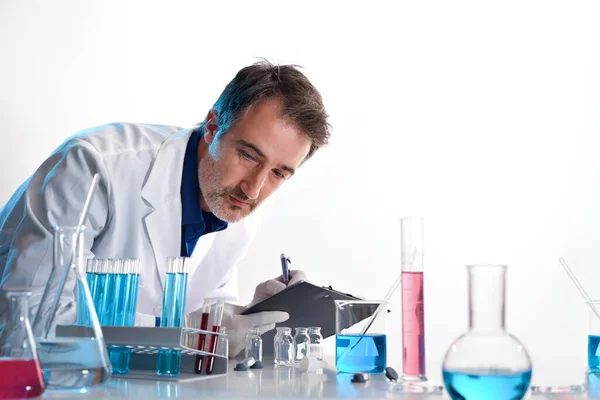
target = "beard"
x: 217, y: 197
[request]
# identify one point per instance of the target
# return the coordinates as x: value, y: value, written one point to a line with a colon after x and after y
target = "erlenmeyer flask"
x: 486, y: 362
x: 20, y: 374
x: 72, y: 357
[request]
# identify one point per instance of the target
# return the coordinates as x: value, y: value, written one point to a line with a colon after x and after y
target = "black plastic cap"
x: 391, y: 374
x: 360, y: 377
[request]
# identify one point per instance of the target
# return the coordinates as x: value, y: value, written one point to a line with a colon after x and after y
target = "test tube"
x: 203, y: 326
x: 134, y: 283
x: 83, y: 317
x: 168, y: 362
x: 120, y: 293
x: 106, y: 282
x: 216, y: 316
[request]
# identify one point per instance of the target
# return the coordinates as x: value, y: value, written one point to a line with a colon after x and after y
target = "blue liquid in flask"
x: 369, y: 355
x: 593, y: 353
x: 168, y: 362
x: 476, y: 385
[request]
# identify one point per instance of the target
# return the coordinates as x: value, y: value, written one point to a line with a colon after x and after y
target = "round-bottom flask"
x: 486, y: 362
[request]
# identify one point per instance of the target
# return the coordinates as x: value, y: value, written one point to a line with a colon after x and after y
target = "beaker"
x: 69, y: 360
x: 356, y: 352
x: 593, y: 338
x: 20, y: 373
x: 486, y: 362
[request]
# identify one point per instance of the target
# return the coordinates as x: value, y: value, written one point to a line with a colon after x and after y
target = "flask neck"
x: 18, y: 306
x: 486, y: 298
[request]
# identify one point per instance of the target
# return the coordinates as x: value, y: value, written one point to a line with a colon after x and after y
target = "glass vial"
x: 486, y: 362
x: 20, y: 372
x: 316, y: 342
x: 284, y: 346
x: 301, y: 344
x: 254, y: 344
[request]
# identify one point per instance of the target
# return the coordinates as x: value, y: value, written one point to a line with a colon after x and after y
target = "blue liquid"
x: 101, y: 283
x: 173, y: 309
x: 369, y: 355
x: 168, y: 362
x: 121, y: 297
x: 119, y: 359
x: 134, y: 284
x: 593, y: 359
x: 92, y: 278
x: 83, y: 314
x: 502, y: 385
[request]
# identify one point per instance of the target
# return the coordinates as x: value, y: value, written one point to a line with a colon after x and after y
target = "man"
x: 167, y: 191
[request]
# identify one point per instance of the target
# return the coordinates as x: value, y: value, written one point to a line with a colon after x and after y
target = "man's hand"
x: 268, y: 288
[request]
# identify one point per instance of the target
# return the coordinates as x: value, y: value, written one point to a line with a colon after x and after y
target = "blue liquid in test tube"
x: 168, y: 361
x: 134, y: 283
x: 120, y: 358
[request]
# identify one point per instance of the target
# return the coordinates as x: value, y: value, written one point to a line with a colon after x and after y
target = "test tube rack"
x: 145, y: 342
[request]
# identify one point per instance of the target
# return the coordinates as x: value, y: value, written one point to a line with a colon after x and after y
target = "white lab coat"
x: 136, y: 212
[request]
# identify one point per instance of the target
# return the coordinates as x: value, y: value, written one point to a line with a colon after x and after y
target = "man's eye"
x: 246, y: 155
x: 278, y: 174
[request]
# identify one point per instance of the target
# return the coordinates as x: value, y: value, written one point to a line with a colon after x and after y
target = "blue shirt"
x: 194, y: 221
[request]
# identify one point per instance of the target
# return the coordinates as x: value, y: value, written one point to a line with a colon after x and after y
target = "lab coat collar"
x: 162, y: 191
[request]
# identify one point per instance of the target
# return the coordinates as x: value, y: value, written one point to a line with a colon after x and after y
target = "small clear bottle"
x: 316, y: 342
x: 284, y: 346
x: 301, y: 344
x: 254, y: 344
x: 20, y: 371
x: 486, y: 356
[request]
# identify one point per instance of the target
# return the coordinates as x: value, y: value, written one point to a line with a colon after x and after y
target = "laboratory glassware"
x: 203, y: 325
x: 283, y: 351
x: 355, y: 350
x: 593, y: 336
x: 69, y: 362
x: 301, y: 344
x: 216, y: 316
x: 413, y: 377
x: 487, y: 361
x: 123, y: 314
x: 316, y: 342
x: 253, y: 345
x: 222, y: 347
x: 168, y: 362
x: 20, y: 373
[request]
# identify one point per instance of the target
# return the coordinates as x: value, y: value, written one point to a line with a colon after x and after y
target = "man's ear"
x: 211, y: 126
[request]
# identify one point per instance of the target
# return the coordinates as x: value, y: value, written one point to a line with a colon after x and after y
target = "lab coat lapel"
x: 162, y: 190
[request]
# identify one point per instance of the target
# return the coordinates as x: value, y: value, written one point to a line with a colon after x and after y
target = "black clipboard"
x: 307, y: 304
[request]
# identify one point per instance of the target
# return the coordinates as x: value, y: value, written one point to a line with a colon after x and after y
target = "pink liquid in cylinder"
x: 413, y: 326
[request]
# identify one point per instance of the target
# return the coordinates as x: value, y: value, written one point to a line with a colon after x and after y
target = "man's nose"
x: 252, y: 185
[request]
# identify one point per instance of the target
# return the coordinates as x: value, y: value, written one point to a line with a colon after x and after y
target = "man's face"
x: 249, y: 162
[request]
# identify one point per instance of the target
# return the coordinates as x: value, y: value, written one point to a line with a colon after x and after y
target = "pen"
x: 285, y: 268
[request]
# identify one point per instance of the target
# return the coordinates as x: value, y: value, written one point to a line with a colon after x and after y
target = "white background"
x: 482, y: 117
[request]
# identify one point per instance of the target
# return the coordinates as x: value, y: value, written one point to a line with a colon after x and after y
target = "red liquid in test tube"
x: 211, y: 348
x: 201, y: 339
x: 21, y: 379
x: 216, y: 314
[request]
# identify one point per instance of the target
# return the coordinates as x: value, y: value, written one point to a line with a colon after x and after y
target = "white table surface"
x: 272, y: 382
